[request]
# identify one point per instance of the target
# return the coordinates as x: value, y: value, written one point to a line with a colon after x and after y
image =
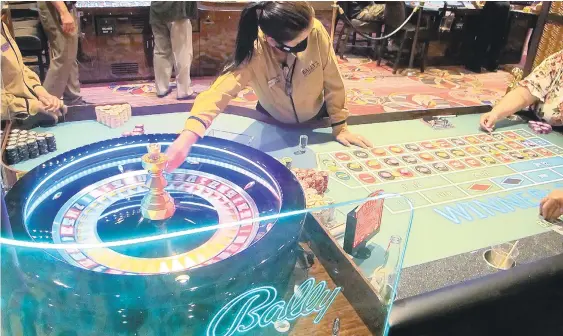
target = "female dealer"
x: 285, y: 55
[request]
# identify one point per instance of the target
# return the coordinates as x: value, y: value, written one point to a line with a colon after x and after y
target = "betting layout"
x: 445, y: 169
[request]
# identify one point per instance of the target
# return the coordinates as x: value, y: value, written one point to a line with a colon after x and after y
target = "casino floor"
x: 272, y: 230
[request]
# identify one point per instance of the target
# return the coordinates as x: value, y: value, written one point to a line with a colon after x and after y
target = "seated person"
x: 543, y: 85
x: 551, y: 207
x: 23, y: 97
x: 285, y: 55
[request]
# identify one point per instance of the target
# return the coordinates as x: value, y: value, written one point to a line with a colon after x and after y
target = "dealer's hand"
x: 50, y: 102
x: 488, y: 121
x: 179, y: 150
x: 551, y: 207
x: 53, y: 113
x: 348, y: 138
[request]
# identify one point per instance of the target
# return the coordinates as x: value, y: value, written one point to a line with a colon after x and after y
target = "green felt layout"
x: 456, y: 211
x: 492, y: 199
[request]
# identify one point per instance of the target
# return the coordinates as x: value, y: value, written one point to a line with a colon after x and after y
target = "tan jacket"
x: 316, y: 79
x: 19, y: 84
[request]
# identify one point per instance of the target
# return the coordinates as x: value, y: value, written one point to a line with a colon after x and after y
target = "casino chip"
x: 540, y: 127
x: 440, y: 167
x: 423, y: 170
x: 409, y: 159
x: 379, y: 152
x: 360, y: 154
x: 412, y: 147
x: 405, y: 172
x: 391, y: 162
x: 385, y: 175
x: 354, y: 166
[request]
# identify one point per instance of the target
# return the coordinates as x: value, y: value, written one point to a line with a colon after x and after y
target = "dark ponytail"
x: 247, y: 34
x: 281, y: 20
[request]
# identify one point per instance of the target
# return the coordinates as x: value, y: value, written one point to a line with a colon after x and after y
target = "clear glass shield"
x: 230, y: 243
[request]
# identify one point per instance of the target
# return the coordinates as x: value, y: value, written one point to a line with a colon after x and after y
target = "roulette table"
x: 95, y: 261
x: 470, y: 192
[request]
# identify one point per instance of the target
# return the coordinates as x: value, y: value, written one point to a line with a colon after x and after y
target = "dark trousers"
x: 490, y: 31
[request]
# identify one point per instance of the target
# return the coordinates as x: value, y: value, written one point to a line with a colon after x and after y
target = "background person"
x: 544, y: 86
x: 23, y: 97
x: 60, y: 22
x: 490, y: 35
x: 172, y: 30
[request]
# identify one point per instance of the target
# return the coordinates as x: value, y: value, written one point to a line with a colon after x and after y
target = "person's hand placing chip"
x: 551, y: 207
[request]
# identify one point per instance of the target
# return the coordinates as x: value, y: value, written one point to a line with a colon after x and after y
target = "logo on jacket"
x: 307, y: 71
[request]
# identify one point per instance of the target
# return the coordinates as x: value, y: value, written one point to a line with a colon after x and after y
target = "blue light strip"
x: 126, y: 242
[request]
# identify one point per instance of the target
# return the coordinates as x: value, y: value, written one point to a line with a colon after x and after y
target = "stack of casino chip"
x: 12, y: 156
x: 113, y: 115
x: 23, y: 151
x: 33, y: 148
x: 51, y: 142
x: 138, y: 130
x: 312, y: 179
x: 11, y: 152
x: 539, y: 127
x: 23, y: 145
x: 42, y: 144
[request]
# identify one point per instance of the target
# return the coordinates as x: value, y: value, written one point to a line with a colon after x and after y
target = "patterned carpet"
x: 371, y: 89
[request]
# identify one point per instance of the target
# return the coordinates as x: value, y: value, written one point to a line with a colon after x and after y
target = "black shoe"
x: 492, y: 68
x: 473, y: 68
x: 164, y: 94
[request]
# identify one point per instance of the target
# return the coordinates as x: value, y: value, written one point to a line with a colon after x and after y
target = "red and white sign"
x: 368, y: 218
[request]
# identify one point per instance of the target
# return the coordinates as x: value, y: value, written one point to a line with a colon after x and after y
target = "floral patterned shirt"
x: 546, y: 84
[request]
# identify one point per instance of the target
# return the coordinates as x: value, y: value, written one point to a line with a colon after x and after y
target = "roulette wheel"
x: 149, y: 253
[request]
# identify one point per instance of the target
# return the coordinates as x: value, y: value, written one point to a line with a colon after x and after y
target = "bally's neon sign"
x: 258, y: 308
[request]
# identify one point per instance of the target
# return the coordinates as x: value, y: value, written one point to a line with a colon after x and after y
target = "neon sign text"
x: 258, y: 308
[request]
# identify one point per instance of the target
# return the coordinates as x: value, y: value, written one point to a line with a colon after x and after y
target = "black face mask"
x: 298, y: 48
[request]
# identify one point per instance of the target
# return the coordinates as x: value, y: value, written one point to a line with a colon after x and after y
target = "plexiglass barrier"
x: 102, y: 241
x: 326, y: 268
